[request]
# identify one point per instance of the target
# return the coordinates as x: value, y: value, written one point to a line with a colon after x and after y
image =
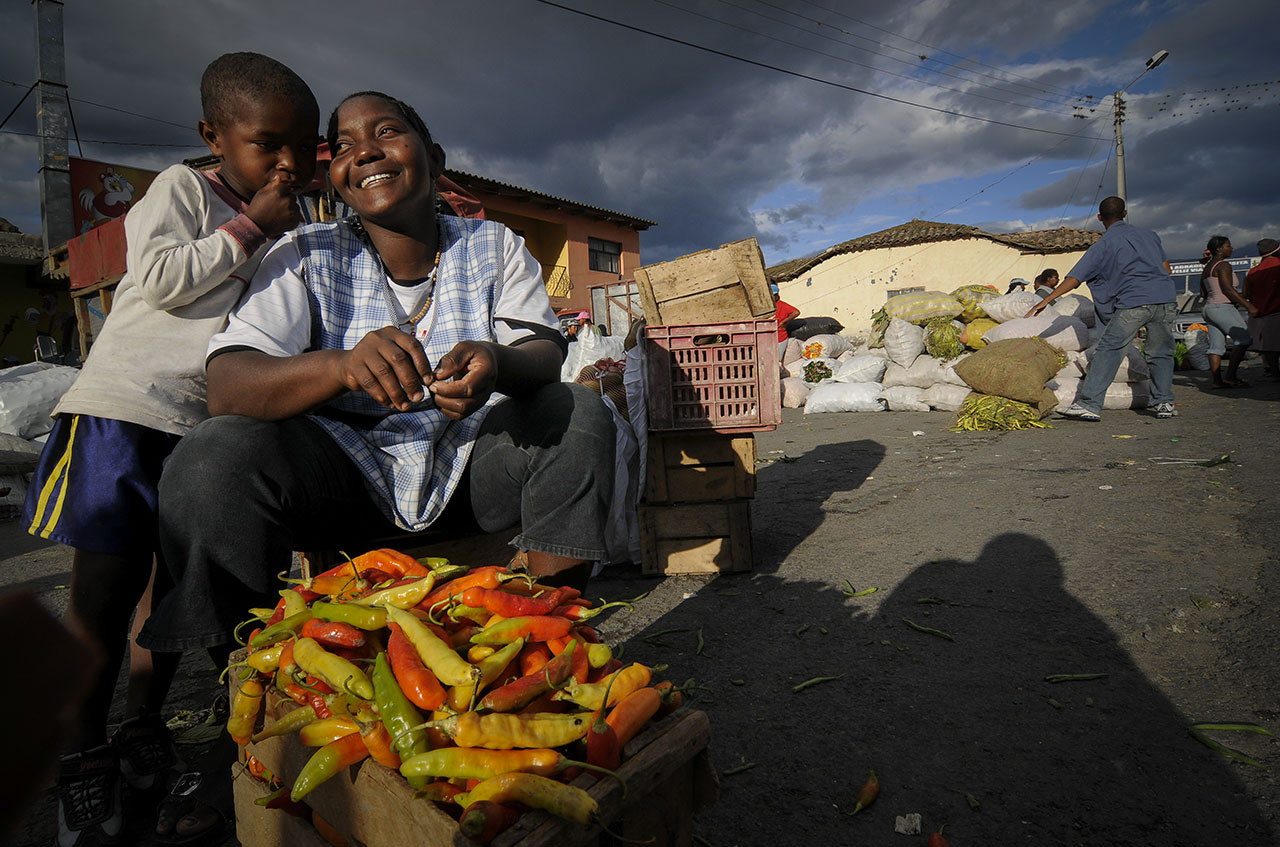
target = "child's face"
x: 382, y: 168
x: 265, y: 136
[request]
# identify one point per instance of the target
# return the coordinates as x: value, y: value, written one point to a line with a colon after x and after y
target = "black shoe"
x: 149, y: 761
x: 89, y: 804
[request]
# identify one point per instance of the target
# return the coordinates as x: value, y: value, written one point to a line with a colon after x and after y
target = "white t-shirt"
x: 274, y: 316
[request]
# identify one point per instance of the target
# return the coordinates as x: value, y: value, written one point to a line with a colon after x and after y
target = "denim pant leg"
x: 1116, y: 338
x: 1159, y: 351
x: 545, y: 463
x: 238, y: 495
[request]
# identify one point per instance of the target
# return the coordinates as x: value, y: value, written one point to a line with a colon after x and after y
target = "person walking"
x: 1262, y: 290
x: 1128, y: 276
x: 1219, y: 287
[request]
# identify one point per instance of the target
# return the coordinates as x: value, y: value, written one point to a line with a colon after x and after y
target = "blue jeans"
x: 1224, y: 321
x: 1121, y: 330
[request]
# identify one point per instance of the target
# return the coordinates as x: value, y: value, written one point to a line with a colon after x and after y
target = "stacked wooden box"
x: 712, y: 371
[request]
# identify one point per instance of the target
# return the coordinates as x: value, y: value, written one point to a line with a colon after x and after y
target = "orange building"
x: 577, y: 245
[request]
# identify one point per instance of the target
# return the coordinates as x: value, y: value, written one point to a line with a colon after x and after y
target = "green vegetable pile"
x: 942, y: 339
x: 984, y: 413
x: 817, y: 371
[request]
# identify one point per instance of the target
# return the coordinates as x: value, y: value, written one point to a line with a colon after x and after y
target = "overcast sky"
x: 649, y: 108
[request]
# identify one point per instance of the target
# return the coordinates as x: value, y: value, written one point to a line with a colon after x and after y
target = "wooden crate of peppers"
x: 485, y: 691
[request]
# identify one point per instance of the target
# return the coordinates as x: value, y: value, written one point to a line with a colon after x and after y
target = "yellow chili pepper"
x: 265, y: 661
x: 539, y: 792
x: 327, y: 730
x: 401, y: 596
x: 500, y: 731
x: 444, y: 662
x: 591, y: 695
x: 244, y: 711
x: 340, y: 674
x: 462, y: 697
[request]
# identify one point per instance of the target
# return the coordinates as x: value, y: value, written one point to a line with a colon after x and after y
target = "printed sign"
x: 101, y: 192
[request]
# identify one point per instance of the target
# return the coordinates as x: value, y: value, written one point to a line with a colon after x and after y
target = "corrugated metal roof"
x: 493, y: 186
x: 1061, y: 240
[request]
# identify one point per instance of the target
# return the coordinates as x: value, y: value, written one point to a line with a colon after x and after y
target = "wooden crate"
x: 686, y: 468
x: 667, y: 771
x: 726, y: 284
x: 710, y: 537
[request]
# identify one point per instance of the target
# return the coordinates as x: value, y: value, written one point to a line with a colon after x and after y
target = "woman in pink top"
x: 1221, y: 299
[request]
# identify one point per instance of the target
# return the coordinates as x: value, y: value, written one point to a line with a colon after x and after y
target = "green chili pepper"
x: 398, y: 715
x: 290, y: 723
x: 358, y: 616
x: 927, y: 630
x: 278, y: 632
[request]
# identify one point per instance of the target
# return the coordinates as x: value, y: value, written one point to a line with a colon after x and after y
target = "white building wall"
x: 852, y: 286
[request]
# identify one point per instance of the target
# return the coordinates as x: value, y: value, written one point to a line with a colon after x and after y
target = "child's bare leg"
x: 105, y: 589
x: 150, y: 674
x: 558, y: 570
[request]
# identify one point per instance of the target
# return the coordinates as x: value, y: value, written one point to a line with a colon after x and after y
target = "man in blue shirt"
x: 1128, y: 276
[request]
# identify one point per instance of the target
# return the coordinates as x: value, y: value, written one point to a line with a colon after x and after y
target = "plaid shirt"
x: 412, y: 461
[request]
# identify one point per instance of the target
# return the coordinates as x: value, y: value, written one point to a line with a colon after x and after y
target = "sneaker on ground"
x: 1080, y: 413
x: 148, y: 758
x: 1164, y: 410
x: 89, y: 803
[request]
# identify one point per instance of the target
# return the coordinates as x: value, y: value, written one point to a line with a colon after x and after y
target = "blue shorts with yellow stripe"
x: 95, y: 486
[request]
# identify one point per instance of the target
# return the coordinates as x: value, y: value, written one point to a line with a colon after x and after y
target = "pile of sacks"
x: 912, y: 360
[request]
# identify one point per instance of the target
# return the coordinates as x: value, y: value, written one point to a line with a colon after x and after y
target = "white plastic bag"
x: 1065, y: 389
x: 1067, y: 334
x: 1197, y: 349
x: 794, y: 392
x: 814, y: 367
x: 1008, y: 307
x: 824, y: 347
x: 1128, y: 395
x: 1076, y: 306
x: 845, y: 397
x: 28, y: 394
x: 792, y: 351
x: 1133, y: 367
x: 861, y: 369
x: 925, y: 372
x: 906, y: 398
x: 903, y: 342
x: 590, y: 348
x: 945, y: 397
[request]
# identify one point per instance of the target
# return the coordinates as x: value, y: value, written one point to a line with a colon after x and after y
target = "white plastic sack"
x: 797, y: 369
x: 924, y: 372
x: 903, y: 342
x: 861, y: 369
x: 905, y: 398
x: 1065, y: 333
x: 1197, y: 349
x: 1076, y: 306
x: 590, y: 348
x: 1009, y: 307
x: 845, y: 397
x: 945, y: 397
x: 1128, y: 395
x: 794, y: 392
x: 824, y: 347
x: 28, y: 394
x: 1133, y: 368
x: 792, y: 351
x: 1065, y: 389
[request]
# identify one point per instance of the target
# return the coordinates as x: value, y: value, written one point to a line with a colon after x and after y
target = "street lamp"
x: 1153, y: 62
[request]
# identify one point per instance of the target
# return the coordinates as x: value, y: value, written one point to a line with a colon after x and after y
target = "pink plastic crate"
x: 720, y: 376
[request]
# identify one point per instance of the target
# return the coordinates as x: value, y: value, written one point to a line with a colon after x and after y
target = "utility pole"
x: 1152, y: 63
x: 52, y: 118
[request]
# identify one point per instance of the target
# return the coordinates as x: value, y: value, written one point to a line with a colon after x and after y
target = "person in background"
x: 1219, y: 288
x: 1016, y: 284
x: 783, y: 312
x: 1262, y: 290
x: 1046, y: 282
x: 194, y: 240
x: 1128, y: 276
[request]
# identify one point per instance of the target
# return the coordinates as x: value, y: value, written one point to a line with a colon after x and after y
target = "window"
x: 894, y: 292
x: 605, y: 255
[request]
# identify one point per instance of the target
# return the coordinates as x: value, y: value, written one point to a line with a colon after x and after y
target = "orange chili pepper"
x: 486, y: 577
x: 393, y: 562
x: 633, y: 712
x: 378, y: 742
x: 417, y: 681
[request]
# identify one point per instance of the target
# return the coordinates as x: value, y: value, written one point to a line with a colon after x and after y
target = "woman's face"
x: 381, y: 166
x: 1052, y: 280
x: 1225, y: 250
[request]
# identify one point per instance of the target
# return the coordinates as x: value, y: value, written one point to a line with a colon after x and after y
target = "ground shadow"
x: 944, y: 722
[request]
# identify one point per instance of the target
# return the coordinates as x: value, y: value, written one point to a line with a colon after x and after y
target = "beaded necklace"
x: 411, y: 323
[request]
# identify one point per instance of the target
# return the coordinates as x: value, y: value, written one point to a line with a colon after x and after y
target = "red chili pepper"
x: 391, y: 562
x: 516, y: 695
x: 441, y: 791
x: 588, y: 633
x: 581, y: 665
x: 870, y: 791
x: 486, y: 577
x: 604, y: 748
x: 937, y: 839
x: 510, y: 605
x: 277, y: 615
x: 333, y: 633
x: 416, y: 680
x: 485, y: 820
x: 532, y: 627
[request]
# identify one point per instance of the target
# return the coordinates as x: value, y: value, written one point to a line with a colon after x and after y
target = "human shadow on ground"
x: 944, y: 722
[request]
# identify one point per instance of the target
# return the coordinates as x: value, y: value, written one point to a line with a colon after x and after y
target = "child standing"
x: 193, y: 242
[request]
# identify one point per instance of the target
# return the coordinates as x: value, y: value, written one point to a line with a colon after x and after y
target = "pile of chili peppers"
x: 488, y: 692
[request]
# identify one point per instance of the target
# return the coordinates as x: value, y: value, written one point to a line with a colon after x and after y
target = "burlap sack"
x: 1016, y: 368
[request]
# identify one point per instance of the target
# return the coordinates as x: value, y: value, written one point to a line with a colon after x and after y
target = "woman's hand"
x: 465, y: 378
x: 1253, y: 310
x: 388, y: 365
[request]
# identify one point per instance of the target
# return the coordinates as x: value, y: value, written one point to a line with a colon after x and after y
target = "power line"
x: 114, y: 109
x: 101, y: 140
x: 918, y: 58
x: 847, y: 60
x: 799, y: 75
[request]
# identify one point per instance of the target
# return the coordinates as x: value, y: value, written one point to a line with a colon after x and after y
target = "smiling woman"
x: 387, y: 372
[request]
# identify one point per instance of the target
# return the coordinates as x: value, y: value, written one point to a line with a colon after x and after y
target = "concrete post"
x: 52, y: 122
